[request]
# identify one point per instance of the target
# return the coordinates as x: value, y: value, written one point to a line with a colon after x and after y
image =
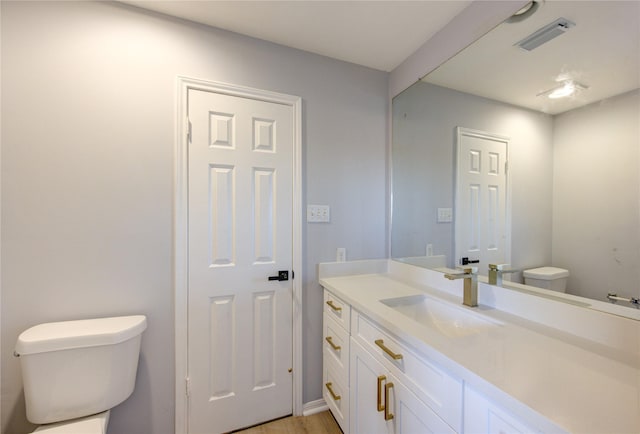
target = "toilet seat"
x: 96, y: 424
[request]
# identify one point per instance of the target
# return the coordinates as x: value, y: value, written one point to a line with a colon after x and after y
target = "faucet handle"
x: 465, y: 273
x: 504, y: 268
x: 498, y: 267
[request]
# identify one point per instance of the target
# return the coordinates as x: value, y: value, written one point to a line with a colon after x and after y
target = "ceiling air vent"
x: 545, y: 34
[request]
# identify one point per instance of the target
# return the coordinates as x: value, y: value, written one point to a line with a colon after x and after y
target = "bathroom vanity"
x: 403, y: 355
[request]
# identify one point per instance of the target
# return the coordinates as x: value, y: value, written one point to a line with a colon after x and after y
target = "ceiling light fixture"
x: 566, y: 89
x: 545, y: 34
x: 525, y: 12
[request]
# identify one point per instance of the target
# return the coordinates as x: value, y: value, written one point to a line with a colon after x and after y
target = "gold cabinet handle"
x: 387, y: 414
x: 333, y: 306
x: 380, y: 404
x: 334, y: 346
x: 391, y: 354
x: 333, y: 394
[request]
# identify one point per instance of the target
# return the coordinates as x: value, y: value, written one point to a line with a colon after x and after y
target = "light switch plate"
x: 318, y: 214
x: 445, y: 215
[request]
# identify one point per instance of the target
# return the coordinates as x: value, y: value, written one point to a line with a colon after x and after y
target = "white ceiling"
x: 602, y: 51
x: 377, y: 34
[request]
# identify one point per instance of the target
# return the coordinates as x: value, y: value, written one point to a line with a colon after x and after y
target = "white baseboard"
x: 314, y: 407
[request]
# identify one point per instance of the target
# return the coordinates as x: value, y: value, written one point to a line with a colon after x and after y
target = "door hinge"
x: 187, y: 387
x: 293, y: 275
x: 188, y: 130
x: 506, y: 167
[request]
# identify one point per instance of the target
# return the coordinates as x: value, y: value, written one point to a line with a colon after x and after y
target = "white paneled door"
x: 482, y: 211
x: 240, y: 203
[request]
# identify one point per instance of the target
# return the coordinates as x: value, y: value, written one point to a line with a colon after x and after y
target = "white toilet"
x: 551, y: 278
x: 74, y: 372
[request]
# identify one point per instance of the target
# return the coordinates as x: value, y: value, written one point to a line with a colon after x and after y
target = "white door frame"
x: 181, y: 235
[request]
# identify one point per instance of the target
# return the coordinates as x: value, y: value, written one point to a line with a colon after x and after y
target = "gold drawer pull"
x: 333, y: 394
x: 391, y: 354
x: 334, y: 346
x: 333, y: 306
x: 387, y: 414
x: 380, y: 380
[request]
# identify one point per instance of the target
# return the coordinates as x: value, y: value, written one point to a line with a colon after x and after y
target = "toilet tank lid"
x: 546, y: 273
x: 66, y: 335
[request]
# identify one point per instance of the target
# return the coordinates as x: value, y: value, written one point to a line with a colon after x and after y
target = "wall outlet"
x: 318, y: 213
x: 341, y: 254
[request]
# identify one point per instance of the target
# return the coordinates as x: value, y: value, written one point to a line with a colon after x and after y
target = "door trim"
x: 184, y: 84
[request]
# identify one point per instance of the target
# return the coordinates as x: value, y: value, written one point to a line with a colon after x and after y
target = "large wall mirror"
x: 558, y: 90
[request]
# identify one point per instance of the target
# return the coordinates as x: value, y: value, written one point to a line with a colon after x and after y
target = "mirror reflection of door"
x: 482, y: 212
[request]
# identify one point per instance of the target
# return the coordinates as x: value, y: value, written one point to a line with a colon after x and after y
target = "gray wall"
x: 596, y: 213
x: 424, y: 120
x: 88, y: 100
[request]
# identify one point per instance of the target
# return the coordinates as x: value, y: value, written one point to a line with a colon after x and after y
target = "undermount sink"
x: 448, y: 320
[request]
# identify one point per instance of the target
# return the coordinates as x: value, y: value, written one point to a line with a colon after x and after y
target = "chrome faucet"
x: 496, y: 271
x: 470, y: 295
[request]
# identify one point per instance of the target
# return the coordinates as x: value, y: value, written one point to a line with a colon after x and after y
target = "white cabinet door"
x: 380, y: 403
x: 433, y: 386
x: 410, y: 415
x: 482, y: 416
x: 366, y: 387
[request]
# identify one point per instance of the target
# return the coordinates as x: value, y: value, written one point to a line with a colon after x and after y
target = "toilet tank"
x: 73, y: 369
x: 551, y: 278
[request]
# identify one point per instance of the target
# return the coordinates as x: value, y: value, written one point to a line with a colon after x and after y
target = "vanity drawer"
x: 335, y: 344
x: 335, y: 391
x: 431, y: 384
x: 337, y: 309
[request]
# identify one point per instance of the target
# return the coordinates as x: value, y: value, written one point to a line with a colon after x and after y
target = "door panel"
x: 240, y: 194
x: 221, y: 333
x: 222, y: 204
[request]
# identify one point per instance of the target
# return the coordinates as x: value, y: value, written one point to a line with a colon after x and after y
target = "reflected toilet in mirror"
x: 551, y: 278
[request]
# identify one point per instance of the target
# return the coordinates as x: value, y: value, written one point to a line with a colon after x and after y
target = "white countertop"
x: 579, y: 385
